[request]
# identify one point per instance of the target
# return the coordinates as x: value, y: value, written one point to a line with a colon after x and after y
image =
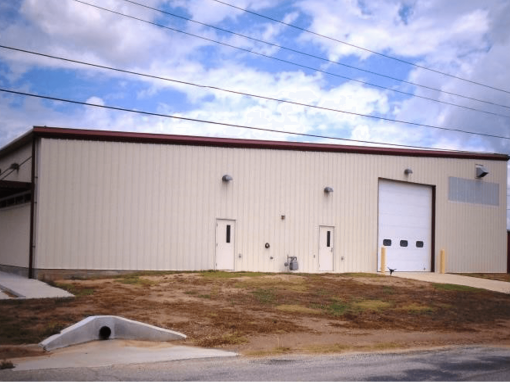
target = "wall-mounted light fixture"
x: 408, y: 171
x: 328, y: 190
x: 481, y: 171
x: 227, y: 178
x: 14, y: 166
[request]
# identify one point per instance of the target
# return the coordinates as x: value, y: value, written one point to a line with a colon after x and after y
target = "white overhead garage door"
x: 405, y: 225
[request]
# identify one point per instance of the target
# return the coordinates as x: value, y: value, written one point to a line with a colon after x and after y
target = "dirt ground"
x: 261, y: 314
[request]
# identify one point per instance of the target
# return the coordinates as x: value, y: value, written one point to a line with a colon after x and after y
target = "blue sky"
x: 466, y: 38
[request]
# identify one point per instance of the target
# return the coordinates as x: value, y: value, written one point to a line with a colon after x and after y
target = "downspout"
x: 32, y: 214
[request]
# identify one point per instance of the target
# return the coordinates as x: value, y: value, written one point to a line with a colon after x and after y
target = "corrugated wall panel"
x: 21, y: 155
x: 15, y: 235
x: 106, y: 205
x: 15, y: 220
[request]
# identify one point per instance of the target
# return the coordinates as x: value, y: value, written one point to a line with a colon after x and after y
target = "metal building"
x: 78, y: 201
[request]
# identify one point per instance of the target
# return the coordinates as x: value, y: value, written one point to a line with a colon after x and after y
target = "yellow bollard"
x: 383, y: 260
x: 442, y: 262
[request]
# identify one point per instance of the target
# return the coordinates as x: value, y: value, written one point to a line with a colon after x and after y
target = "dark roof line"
x: 117, y: 136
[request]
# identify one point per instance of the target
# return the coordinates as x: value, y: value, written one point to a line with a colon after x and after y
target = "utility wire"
x: 16, y: 169
x: 243, y: 93
x: 288, y: 62
x: 312, y: 55
x: 361, y: 48
x: 235, y: 91
x: 251, y: 127
x: 210, y: 122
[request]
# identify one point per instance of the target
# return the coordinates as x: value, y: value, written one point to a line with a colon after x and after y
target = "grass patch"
x: 207, y: 296
x: 265, y: 353
x: 297, y: 309
x: 226, y: 339
x: 385, y: 346
x: 76, y: 290
x: 6, y: 365
x: 371, y: 305
x: 323, y: 292
x: 389, y: 290
x: 230, y: 275
x: 264, y: 296
x: 135, y: 280
x: 337, y: 308
x: 417, y: 309
x: 489, y: 276
x: 54, y: 328
x: 457, y: 288
x: 327, y: 348
x: 296, y: 284
x: 359, y: 274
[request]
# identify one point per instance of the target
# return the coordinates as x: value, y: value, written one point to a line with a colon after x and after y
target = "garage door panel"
x: 396, y: 208
x: 405, y: 217
x: 402, y: 221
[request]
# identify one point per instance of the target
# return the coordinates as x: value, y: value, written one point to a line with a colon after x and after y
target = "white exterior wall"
x: 19, y: 156
x: 128, y: 206
x: 15, y: 235
x: 15, y: 220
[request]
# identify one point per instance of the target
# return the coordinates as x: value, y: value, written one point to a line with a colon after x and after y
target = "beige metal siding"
x: 15, y: 235
x: 15, y: 220
x: 22, y: 155
x: 106, y: 205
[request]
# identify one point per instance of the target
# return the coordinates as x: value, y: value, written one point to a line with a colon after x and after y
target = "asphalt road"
x: 466, y: 363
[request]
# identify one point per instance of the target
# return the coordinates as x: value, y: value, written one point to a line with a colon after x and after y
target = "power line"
x: 253, y: 95
x: 143, y: 112
x: 312, y: 55
x: 248, y: 127
x: 16, y: 169
x: 362, y: 48
x: 289, y: 62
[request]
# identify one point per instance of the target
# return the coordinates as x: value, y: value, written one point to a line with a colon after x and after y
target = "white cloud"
x: 461, y: 37
x: 430, y: 27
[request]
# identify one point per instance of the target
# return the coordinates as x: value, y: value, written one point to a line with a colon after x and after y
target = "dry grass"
x: 279, y: 350
x: 287, y: 282
x: 297, y: 309
x: 343, y: 348
x: 221, y: 309
x: 371, y: 305
x: 490, y: 276
x: 417, y: 308
x: 327, y: 348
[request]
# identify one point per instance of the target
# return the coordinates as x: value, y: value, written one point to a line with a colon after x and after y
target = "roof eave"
x: 118, y: 136
x: 17, y: 143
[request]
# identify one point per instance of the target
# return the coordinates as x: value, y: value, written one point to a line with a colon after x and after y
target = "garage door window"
x: 386, y: 242
x: 403, y: 243
x: 419, y: 244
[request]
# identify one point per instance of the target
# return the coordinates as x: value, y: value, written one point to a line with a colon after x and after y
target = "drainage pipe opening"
x: 104, y: 333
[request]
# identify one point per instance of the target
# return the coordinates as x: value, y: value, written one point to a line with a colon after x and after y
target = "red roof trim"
x: 117, y: 136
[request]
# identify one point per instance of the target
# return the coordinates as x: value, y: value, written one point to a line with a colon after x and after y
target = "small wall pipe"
x: 383, y: 260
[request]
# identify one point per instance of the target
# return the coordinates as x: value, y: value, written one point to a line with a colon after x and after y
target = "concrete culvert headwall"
x: 108, y: 327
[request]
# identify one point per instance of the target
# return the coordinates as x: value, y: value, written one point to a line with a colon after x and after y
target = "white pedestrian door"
x: 405, y: 225
x: 326, y: 235
x: 225, y: 235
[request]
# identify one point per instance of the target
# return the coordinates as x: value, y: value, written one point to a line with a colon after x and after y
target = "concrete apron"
x: 24, y: 288
x: 447, y: 278
x: 115, y: 352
